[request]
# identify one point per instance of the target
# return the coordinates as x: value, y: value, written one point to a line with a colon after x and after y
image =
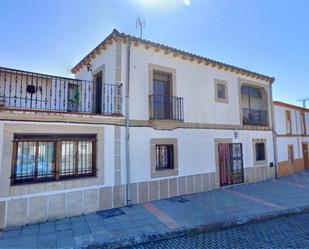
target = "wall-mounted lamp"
x: 236, y: 135
x: 89, y: 68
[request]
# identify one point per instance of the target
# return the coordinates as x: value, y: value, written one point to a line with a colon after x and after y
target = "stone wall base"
x: 17, y: 211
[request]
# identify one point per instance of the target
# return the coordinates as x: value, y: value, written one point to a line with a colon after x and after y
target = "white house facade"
x: 141, y: 121
x: 292, y: 138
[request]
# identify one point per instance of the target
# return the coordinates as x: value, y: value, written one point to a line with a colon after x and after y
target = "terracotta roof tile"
x: 117, y: 34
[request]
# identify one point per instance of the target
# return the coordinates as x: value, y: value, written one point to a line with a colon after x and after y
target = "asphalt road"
x: 284, y: 232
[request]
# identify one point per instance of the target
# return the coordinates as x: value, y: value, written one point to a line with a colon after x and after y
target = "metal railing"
x: 33, y: 91
x: 255, y: 117
x: 166, y: 107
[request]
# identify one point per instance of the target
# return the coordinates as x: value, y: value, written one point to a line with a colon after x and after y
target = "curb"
x: 144, y: 239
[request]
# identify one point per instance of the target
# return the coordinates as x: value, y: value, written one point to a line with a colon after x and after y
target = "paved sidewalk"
x: 166, y: 218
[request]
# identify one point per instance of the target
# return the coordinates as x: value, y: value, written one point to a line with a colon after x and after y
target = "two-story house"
x: 292, y: 138
x: 141, y: 121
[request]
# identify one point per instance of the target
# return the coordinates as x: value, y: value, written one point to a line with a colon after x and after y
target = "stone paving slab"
x: 168, y: 218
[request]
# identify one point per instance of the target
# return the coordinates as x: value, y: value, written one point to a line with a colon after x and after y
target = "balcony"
x: 164, y: 107
x: 255, y: 117
x: 39, y: 92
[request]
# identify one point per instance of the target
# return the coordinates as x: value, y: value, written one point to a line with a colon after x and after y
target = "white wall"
x: 295, y: 139
x: 196, y: 149
x: 194, y: 82
x: 107, y: 58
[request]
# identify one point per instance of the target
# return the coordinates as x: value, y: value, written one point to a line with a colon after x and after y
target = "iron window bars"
x: 164, y: 156
x: 38, y: 158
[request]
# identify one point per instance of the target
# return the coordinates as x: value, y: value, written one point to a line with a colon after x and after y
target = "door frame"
x: 226, y: 141
x: 98, y: 70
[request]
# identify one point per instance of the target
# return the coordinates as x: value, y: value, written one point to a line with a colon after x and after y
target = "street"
x: 284, y: 232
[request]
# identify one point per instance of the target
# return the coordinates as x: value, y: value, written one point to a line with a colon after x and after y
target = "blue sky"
x: 267, y: 36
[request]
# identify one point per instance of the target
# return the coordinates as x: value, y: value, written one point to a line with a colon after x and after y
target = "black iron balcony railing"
x: 255, y: 117
x: 166, y: 107
x: 33, y: 91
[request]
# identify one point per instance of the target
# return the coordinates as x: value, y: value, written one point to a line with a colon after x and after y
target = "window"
x: 221, y: 91
x: 221, y: 94
x: 302, y: 123
x: 164, y: 157
x: 52, y: 157
x: 290, y: 154
x: 259, y: 151
x: 288, y: 122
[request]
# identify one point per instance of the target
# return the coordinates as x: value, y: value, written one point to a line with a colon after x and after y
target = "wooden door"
x: 98, y: 93
x: 224, y: 164
x: 305, y: 155
x: 230, y: 163
x: 162, y: 94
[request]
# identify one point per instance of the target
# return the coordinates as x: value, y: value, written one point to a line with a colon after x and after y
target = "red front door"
x: 230, y: 163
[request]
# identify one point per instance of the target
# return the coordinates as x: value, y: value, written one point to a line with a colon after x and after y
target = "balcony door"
x: 162, y: 95
x: 98, y: 93
x: 230, y: 163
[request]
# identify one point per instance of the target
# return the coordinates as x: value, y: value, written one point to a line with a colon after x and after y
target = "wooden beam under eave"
x: 199, y: 61
x: 192, y: 58
x: 136, y: 43
x: 175, y: 54
x: 92, y: 55
x: 206, y: 63
x: 147, y: 46
x: 184, y: 57
x: 166, y: 52
x: 213, y: 64
x: 157, y: 49
x: 103, y: 46
x: 110, y: 42
x: 125, y: 40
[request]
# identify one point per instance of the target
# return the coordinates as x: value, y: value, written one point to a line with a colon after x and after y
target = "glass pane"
x: 84, y: 157
x: 25, y: 165
x: 260, y: 151
x: 221, y: 91
x: 46, y: 159
x: 68, y: 158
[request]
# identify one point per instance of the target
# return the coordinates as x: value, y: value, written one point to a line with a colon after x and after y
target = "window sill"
x: 29, y: 182
x: 164, y: 173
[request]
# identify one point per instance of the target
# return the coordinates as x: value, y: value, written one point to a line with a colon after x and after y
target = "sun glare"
x: 162, y: 4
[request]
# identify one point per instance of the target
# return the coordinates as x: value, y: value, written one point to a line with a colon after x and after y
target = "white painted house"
x: 141, y: 121
x: 292, y: 138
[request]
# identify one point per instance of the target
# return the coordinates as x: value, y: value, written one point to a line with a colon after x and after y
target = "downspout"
x: 127, y: 128
x: 274, y: 132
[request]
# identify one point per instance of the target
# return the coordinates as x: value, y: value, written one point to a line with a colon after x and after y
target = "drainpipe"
x: 296, y: 122
x: 127, y: 130
x: 274, y: 132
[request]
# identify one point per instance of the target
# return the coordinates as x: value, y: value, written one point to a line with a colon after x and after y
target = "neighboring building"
x: 292, y: 138
x: 194, y: 124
